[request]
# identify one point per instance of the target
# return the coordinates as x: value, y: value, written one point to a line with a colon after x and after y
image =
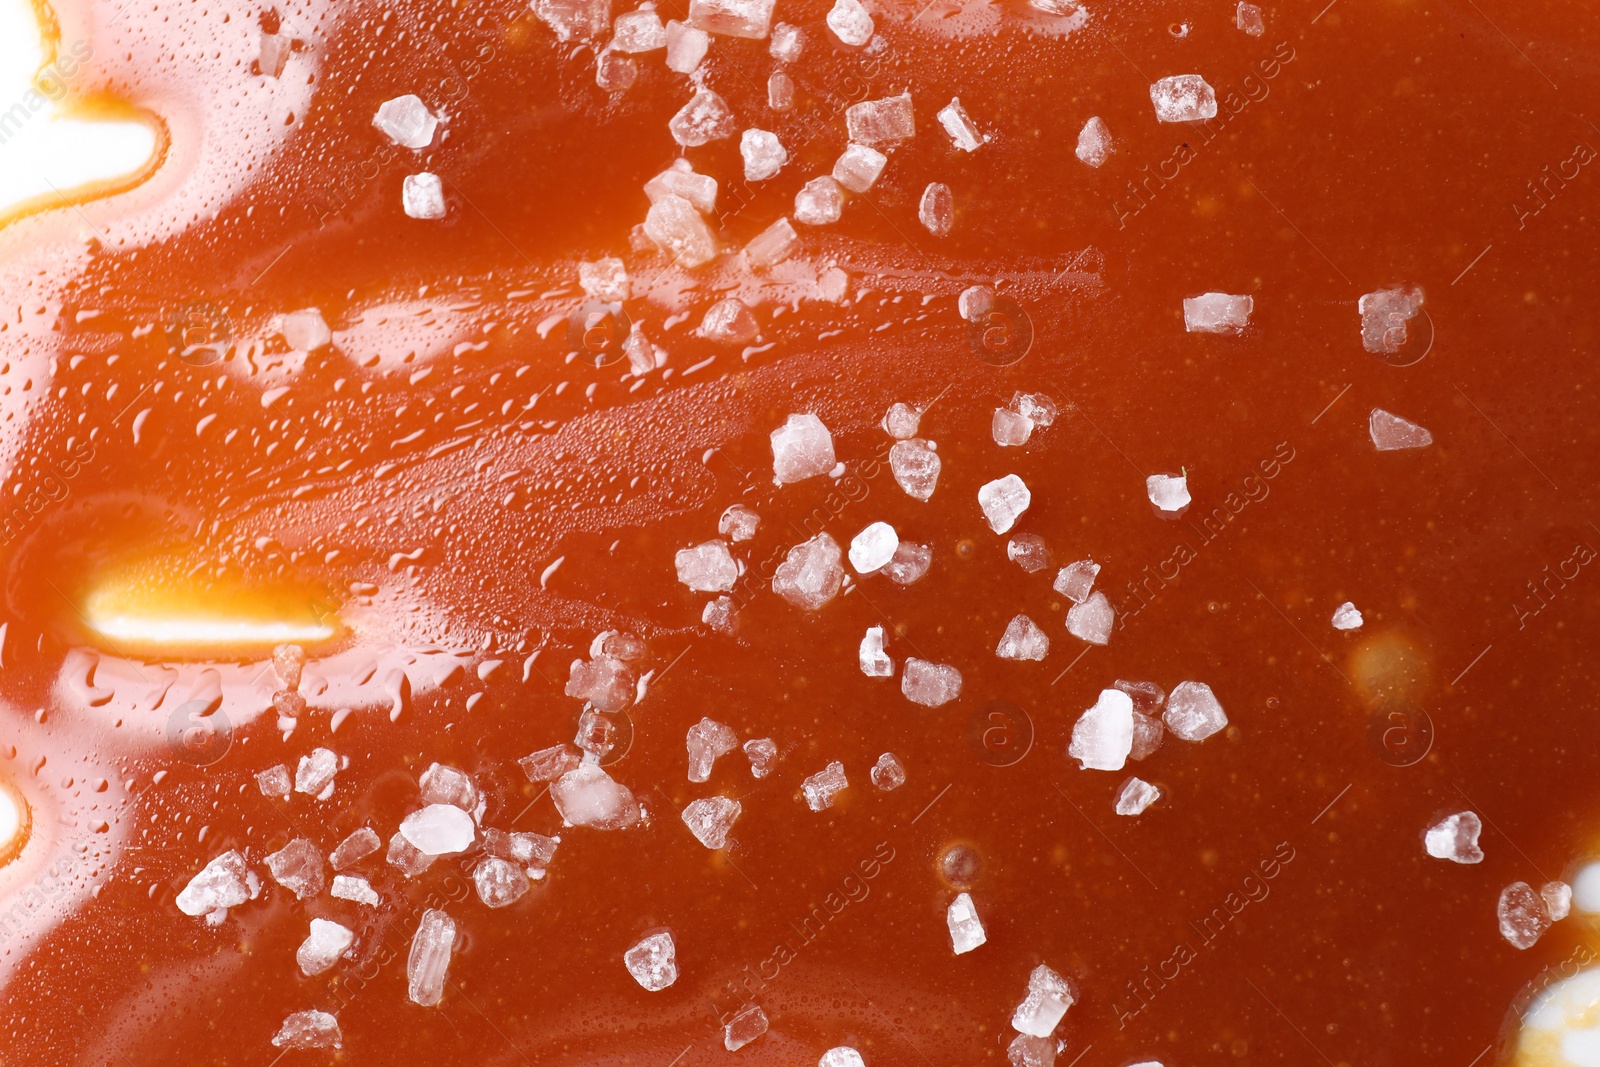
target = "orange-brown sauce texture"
x: 420, y: 477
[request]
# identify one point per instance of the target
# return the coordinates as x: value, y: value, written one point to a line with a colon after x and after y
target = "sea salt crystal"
x: 1557, y: 897
x: 888, y: 774
x: 1026, y: 1050
x: 223, y: 883
x: 358, y: 846
x: 304, y: 331
x: 439, y: 829
x: 1091, y: 620
x: 706, y: 740
x: 818, y: 202
x: 732, y: 18
x: 764, y: 155
x: 738, y: 523
x: 744, y: 1028
x: 1046, y: 1001
x: 910, y: 563
x: 822, y: 787
x: 1248, y: 18
x: 964, y: 133
x: 323, y: 946
x: 705, y: 118
x: 1076, y: 580
x: 1184, y: 98
x: 643, y: 355
x: 605, y: 279
x: 653, y: 962
x: 678, y: 230
x: 1147, y: 697
x: 429, y: 961
x: 406, y: 121
x: 686, y: 46
x: 274, y: 781
x: 761, y: 751
x: 639, y: 31
x: 1168, y: 492
x: 1029, y: 552
x: 1094, y: 142
x: 681, y: 180
x: 849, y: 21
x: 356, y: 888
x: 1384, y: 315
x: 574, y: 18
x: 615, y: 72
x: 707, y: 568
x: 500, y: 883
x: 1023, y: 641
x: 1391, y: 433
x: 1193, y: 712
x: 787, y: 43
x: 1455, y: 838
x: 966, y: 929
x: 873, y: 547
x: 596, y: 735
x: 314, y: 774
x: 842, y: 1056
x: 722, y: 615
x: 274, y: 54
x: 1010, y: 429
x: 1347, y: 617
x: 801, y: 448
x: 308, y: 1030
x: 772, y: 245
x: 1147, y: 733
x: 882, y: 121
x: 422, y: 196
x: 858, y: 167
x: 527, y: 850
x: 405, y: 857
x: 289, y: 661
x: 915, y: 466
x: 1103, y: 736
x: 587, y: 796
x: 297, y: 867
x: 710, y: 819
x: 1522, y: 914
x: 1217, y: 313
x: 548, y: 764
x: 811, y: 574
x: 975, y: 303
x: 875, y: 663
x: 901, y: 421
x: 780, y: 91
x: 441, y: 784
x: 604, y: 681
x: 937, y: 209
x: 1136, y: 794
x: 929, y: 684
x: 1003, y: 501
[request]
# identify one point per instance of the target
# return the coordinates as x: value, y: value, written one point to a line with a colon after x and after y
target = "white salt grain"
x: 1168, y: 492
x: 1384, y: 315
x: 764, y: 155
x: 1455, y: 838
x: 638, y: 31
x: 966, y: 929
x: 1136, y: 794
x: 1183, y: 98
x: 888, y: 774
x: 937, y: 209
x: 818, y: 202
x: 1094, y: 142
x: 1103, y: 735
x: 429, y: 961
x: 929, y: 684
x: 820, y: 788
x: 1222, y: 313
x: 1193, y: 712
x: 875, y: 663
x: 323, y: 946
x: 705, y: 118
x: 1023, y: 641
x: 873, y: 547
x: 1003, y: 501
x: 859, y: 166
x: 810, y: 575
x: 686, y: 47
x: 653, y: 962
x: 422, y: 196
x: 1076, y: 580
x: 1391, y: 433
x: 732, y: 18
x: 915, y: 466
x: 710, y: 819
x: 1046, y: 1001
x: 1092, y: 620
x: 1347, y: 617
x: 850, y: 22
x: 705, y: 741
x: 707, y: 567
x: 801, y: 448
x: 964, y: 133
x: 406, y: 121
x: 874, y: 122
x: 439, y: 830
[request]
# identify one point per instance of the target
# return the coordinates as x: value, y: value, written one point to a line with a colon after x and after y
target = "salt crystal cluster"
x: 1168, y: 492
x: 1013, y: 424
x: 574, y: 18
x: 858, y: 167
x: 1023, y: 640
x: 707, y: 740
x: 888, y: 773
x: 1193, y: 712
x: 875, y: 662
x: 1003, y: 501
x: 874, y: 122
x: 930, y: 684
x: 710, y: 819
x: 707, y: 568
x: 1076, y: 580
x: 1455, y: 838
x: 1094, y: 142
x: 873, y: 548
x: 429, y: 961
x: 811, y: 574
x: 422, y: 196
x: 964, y: 133
x: 1046, y: 1001
x: 1136, y: 794
x: 819, y: 202
x: 1391, y: 433
x: 1103, y: 735
x: 1092, y: 620
x: 801, y: 448
x: 1217, y: 313
x: 850, y: 23
x: 1347, y: 617
x: 1183, y: 98
x: 915, y: 466
x: 406, y: 121
x: 681, y: 180
x: 653, y: 961
x: 820, y: 788
x: 1384, y: 315
x: 966, y: 929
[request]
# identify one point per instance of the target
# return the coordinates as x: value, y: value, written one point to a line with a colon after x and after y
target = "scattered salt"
x: 966, y: 929
x: 1193, y: 712
x: 937, y: 209
x: 1522, y: 915
x: 915, y: 466
x: 705, y: 118
x: 875, y: 663
x: 707, y: 740
x: 1557, y: 897
x: 274, y: 781
x: 888, y: 774
x: 842, y: 1056
x: 1029, y: 552
x: 223, y: 883
x: 422, y: 196
x: 707, y: 568
x: 639, y: 31
x: 439, y: 830
x: 1184, y: 98
x: 686, y: 47
x: 730, y: 322
x: 304, y: 331
x: 1347, y: 617
x: 801, y: 448
x: 787, y: 43
x: 297, y: 867
x: 875, y: 122
x: 901, y: 421
x: 873, y: 547
x: 764, y: 155
x: 929, y: 684
x: 850, y: 22
x: 1147, y: 733
x: 406, y: 121
x: 308, y: 1030
x: 859, y: 166
x: 761, y: 751
x: 975, y: 303
x: 1384, y: 315
x: 354, y: 887
x: 738, y: 523
x: 548, y: 764
x: 1046, y: 1001
x: 1023, y: 641
x: 405, y: 857
x: 964, y: 133
x: 1455, y: 838
x: 500, y: 883
x: 1248, y: 18
x: 818, y: 202
x: 681, y: 180
x: 1094, y: 142
x: 604, y: 681
x: 323, y: 946
x: 678, y: 229
x: 710, y: 819
x: 653, y: 961
x: 358, y: 846
x: 441, y: 784
x: 732, y: 18
x: 587, y: 796
x: 1092, y: 620
x: 1003, y: 501
x: 1217, y: 313
x: 574, y: 18
x: 430, y: 957
x: 910, y: 563
x: 822, y: 787
x: 746, y: 1026
x: 605, y: 279
x: 1168, y: 492
x: 1026, y: 1050
x: 1136, y: 794
x: 1391, y: 433
x: 811, y: 574
x: 780, y: 91
x: 1103, y: 735
x: 1076, y: 580
x: 314, y: 774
